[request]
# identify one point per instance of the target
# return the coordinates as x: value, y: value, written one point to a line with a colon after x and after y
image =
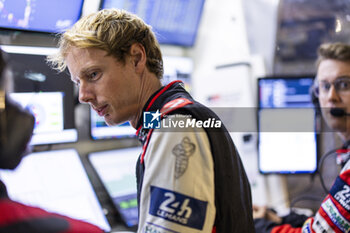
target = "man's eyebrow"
x: 344, y: 76
x: 81, y: 74
x: 84, y: 71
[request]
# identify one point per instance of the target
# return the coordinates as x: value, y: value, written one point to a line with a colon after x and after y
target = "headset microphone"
x: 339, y: 112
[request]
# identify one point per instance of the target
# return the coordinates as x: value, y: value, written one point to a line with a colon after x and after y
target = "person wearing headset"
x: 16, y: 127
x: 332, y: 91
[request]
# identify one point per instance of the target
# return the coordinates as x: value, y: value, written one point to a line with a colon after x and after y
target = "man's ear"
x: 138, y: 56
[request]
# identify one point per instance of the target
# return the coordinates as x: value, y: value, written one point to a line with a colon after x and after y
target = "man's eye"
x: 344, y: 85
x: 325, y: 86
x: 93, y: 75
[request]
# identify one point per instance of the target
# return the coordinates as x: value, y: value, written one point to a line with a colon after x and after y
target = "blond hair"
x: 113, y: 31
x: 335, y: 51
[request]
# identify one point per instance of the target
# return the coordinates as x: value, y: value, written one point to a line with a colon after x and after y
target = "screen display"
x: 40, y: 15
x: 178, y: 68
x: 174, y: 22
x: 47, y: 94
x: 100, y: 130
x: 287, y: 139
x: 116, y: 170
x: 57, y: 182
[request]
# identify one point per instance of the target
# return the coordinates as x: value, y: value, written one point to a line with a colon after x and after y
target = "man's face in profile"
x: 109, y: 86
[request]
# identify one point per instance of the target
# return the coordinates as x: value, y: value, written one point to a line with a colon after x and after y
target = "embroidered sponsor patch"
x: 334, y: 215
x: 307, y: 226
x: 154, y: 228
x: 175, y: 104
x: 183, y: 151
x: 341, y: 192
x: 178, y: 208
x: 320, y: 224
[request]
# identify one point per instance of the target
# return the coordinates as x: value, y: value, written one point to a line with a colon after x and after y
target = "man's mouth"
x: 102, y: 110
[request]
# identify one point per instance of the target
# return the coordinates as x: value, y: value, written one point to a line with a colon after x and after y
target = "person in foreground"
x: 332, y: 88
x: 191, y: 180
x: 16, y: 128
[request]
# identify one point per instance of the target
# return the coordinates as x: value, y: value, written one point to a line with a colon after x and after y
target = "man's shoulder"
x: 175, y: 104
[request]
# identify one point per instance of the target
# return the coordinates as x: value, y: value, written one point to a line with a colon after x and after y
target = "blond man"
x: 189, y: 179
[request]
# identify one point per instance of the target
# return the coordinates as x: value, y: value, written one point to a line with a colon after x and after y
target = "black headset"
x: 314, y: 99
x: 16, y: 125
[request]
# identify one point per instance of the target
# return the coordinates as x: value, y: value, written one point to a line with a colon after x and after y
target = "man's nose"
x: 85, y: 93
x: 333, y: 93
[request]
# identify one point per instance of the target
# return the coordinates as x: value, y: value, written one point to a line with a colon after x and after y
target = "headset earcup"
x: 315, y: 102
x: 19, y: 129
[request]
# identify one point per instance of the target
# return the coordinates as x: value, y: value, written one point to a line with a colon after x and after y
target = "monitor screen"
x: 57, y: 182
x: 174, y: 22
x: 177, y: 68
x: 287, y: 138
x: 47, y: 94
x: 116, y: 170
x: 40, y: 15
x: 100, y: 130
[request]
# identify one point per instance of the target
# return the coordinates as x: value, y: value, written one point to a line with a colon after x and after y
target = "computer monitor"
x: 40, y: 15
x: 116, y: 170
x: 49, y: 95
x: 177, y: 68
x: 100, y: 130
x: 287, y: 140
x: 57, y: 182
x: 174, y: 22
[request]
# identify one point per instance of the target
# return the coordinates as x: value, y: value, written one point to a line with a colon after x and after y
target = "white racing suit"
x: 190, y: 179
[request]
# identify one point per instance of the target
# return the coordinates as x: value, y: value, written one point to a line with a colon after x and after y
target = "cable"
x: 320, y: 167
x: 300, y: 196
x: 305, y: 197
x: 309, y: 197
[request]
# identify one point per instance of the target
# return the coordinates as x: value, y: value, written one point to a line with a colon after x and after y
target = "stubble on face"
x: 109, y: 86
